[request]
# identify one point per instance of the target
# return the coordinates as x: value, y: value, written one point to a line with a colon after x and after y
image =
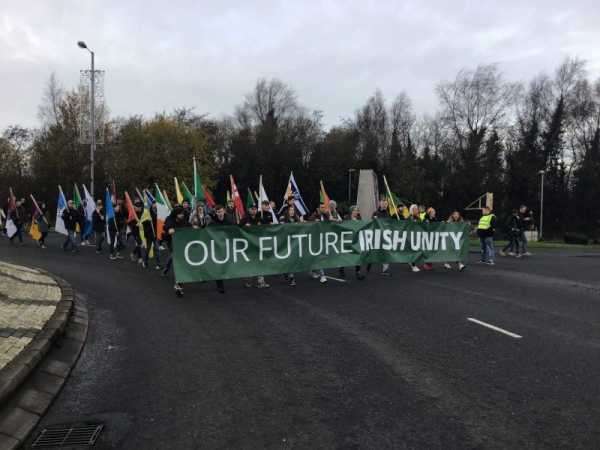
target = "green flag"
x: 198, y: 189
x: 76, y: 197
x: 250, y: 200
x: 187, y: 195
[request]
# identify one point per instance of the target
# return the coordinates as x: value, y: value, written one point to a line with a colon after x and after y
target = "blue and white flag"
x: 293, y: 190
x: 61, y: 205
x: 109, y: 214
x: 89, y: 208
x: 149, y: 198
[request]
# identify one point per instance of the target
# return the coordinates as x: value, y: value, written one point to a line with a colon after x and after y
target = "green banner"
x: 223, y: 252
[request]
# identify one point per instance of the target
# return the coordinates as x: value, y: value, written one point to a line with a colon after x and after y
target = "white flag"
x: 61, y: 205
x: 263, y: 197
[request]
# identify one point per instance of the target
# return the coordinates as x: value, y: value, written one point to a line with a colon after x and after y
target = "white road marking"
x: 336, y: 279
x: 492, y: 327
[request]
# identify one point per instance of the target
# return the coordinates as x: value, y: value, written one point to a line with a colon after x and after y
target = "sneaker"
x: 140, y: 261
x: 315, y: 275
x: 161, y: 247
x: 113, y: 257
x: 157, y: 267
x: 119, y: 256
x: 144, y: 265
x: 502, y: 253
x: 448, y: 266
x: 247, y: 284
x: 427, y: 266
x: 491, y: 263
x: 527, y: 254
x: 263, y: 285
x: 518, y: 255
x: 509, y: 254
x: 43, y: 246
x: 293, y: 282
x: 415, y: 269
x: 323, y: 279
x: 461, y: 267
x: 386, y: 273
x: 83, y: 243
x: 178, y: 290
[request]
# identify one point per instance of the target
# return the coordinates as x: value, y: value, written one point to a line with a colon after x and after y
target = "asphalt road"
x: 381, y: 363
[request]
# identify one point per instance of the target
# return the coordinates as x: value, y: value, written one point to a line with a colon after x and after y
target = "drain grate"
x: 68, y: 435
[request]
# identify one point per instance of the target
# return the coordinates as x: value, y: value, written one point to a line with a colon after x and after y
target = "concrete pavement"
x: 380, y: 363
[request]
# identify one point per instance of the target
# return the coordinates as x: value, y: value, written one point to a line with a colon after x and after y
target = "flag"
x: 390, y: 197
x: 323, y: 197
x: 89, y: 208
x: 293, y: 191
x: 178, y: 194
x: 263, y: 197
x: 61, y: 205
x: 76, y: 197
x: 228, y: 198
x: 187, y: 195
x: 199, y: 193
x: 113, y: 196
x: 11, y: 228
x: 149, y: 198
x: 109, y: 214
x: 145, y: 218
x: 162, y: 212
x: 131, y: 214
x: 34, y: 229
x: 250, y: 202
x: 238, y: 204
x: 166, y: 198
x: 209, y: 199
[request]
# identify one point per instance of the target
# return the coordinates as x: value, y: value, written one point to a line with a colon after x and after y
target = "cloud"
x: 162, y: 55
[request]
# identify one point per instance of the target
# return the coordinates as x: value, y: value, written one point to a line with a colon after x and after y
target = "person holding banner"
x: 355, y: 215
x: 382, y: 212
x: 221, y: 218
x: 455, y: 217
x: 430, y: 217
x: 249, y: 220
x: 290, y: 216
x: 414, y: 215
x: 176, y: 220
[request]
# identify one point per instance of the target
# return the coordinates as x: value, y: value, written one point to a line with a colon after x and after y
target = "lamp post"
x: 83, y: 45
x: 350, y: 186
x: 541, y: 172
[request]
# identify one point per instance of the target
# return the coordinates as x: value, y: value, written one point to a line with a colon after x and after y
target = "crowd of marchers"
x: 141, y: 235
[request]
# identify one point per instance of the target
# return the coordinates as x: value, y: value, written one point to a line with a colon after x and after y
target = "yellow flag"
x: 178, y: 193
x: 149, y: 245
x: 34, y: 231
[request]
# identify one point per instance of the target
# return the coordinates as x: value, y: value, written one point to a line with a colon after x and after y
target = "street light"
x: 541, y: 172
x: 350, y: 186
x: 83, y: 45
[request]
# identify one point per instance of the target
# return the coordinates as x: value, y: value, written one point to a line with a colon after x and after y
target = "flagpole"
x: 38, y: 208
x: 390, y: 196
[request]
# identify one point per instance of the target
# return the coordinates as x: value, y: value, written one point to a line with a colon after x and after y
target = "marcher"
x: 114, y: 229
x: 526, y: 224
x: 71, y: 218
x: 382, y: 212
x: 220, y: 218
x: 455, y: 217
x: 414, y: 216
x: 321, y: 215
x: 17, y: 215
x: 513, y: 226
x: 430, y: 217
x: 42, y: 223
x: 290, y: 216
x: 99, y: 225
x: 200, y: 218
x: 252, y: 219
x: 174, y: 221
x: 485, y: 231
x: 157, y: 238
x: 355, y: 215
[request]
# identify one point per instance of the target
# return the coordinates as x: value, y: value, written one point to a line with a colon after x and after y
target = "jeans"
x: 99, y: 240
x: 70, y: 241
x: 523, y: 242
x: 487, y: 249
x: 513, y: 243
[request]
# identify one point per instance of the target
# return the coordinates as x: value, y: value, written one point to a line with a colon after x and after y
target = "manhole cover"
x: 58, y: 436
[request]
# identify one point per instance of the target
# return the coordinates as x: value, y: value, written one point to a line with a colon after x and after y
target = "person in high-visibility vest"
x: 485, y: 231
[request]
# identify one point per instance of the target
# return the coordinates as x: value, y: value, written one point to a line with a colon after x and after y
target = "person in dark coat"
x: 71, y: 219
x: 513, y: 229
x: 221, y: 218
x: 99, y: 225
x: 42, y: 223
x: 17, y: 215
x: 174, y: 221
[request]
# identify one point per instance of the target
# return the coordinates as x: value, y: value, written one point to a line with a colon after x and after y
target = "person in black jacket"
x: 114, y: 229
x: 42, y: 223
x: 382, y: 212
x: 220, y: 218
x: 525, y: 225
x: 137, y: 254
x: 174, y: 221
x: 71, y: 218
x: 513, y: 229
x: 99, y: 225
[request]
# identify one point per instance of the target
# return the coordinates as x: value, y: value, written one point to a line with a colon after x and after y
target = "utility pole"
x: 83, y: 45
x: 541, y: 172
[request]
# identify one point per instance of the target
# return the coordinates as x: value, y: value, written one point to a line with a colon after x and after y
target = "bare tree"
x: 49, y: 109
x: 270, y: 100
x: 402, y: 118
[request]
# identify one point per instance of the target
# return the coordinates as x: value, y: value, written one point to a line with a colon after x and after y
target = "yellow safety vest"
x: 422, y: 215
x: 485, y: 223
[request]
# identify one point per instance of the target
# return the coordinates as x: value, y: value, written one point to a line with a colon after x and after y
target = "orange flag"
x: 131, y: 215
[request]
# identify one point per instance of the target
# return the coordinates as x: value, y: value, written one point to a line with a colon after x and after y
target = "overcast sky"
x: 159, y: 55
